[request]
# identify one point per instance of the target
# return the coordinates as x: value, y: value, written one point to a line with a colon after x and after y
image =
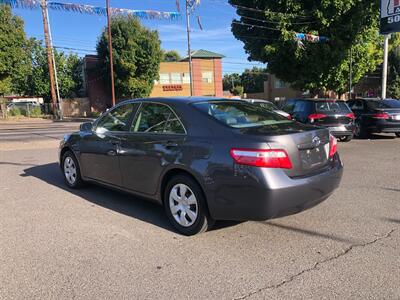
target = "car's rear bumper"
x: 384, y: 126
x: 275, y: 194
x: 342, y: 130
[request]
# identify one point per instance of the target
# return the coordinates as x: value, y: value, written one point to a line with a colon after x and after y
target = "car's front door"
x: 154, y: 141
x: 100, y: 149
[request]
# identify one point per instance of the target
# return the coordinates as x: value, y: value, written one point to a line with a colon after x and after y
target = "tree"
x: 231, y: 80
x: 253, y: 80
x: 237, y: 91
x: 69, y: 73
x: 14, y: 59
x: 394, y: 67
x: 267, y: 29
x: 136, y: 53
x: 170, y: 56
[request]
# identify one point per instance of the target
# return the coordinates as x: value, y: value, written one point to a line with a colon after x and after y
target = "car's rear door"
x: 155, y: 140
x: 100, y: 150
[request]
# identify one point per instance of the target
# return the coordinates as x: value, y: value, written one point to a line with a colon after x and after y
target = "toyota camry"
x: 205, y: 159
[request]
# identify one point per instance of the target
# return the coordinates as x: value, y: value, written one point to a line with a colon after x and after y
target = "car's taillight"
x: 332, y: 145
x: 313, y: 117
x: 381, y: 115
x: 289, y: 117
x: 271, y: 158
x: 351, y: 116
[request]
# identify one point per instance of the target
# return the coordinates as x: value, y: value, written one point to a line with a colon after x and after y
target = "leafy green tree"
x: 170, y: 56
x: 394, y: 67
x: 136, y: 55
x: 69, y: 73
x: 14, y: 59
x: 267, y: 29
x: 253, y: 80
x: 231, y: 80
x: 237, y: 91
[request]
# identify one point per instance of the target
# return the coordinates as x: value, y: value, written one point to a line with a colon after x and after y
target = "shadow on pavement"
x: 309, y: 232
x: 374, y: 136
x: 390, y: 189
x: 391, y: 220
x: 120, y: 202
x: 124, y: 203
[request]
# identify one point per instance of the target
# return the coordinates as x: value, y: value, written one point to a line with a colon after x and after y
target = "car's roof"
x: 317, y: 99
x: 181, y: 99
x: 375, y: 99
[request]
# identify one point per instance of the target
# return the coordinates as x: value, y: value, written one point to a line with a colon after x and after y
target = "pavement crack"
x: 316, y: 265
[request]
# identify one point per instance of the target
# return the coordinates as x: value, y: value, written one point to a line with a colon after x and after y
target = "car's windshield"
x: 384, y: 104
x: 331, y: 106
x: 240, y: 114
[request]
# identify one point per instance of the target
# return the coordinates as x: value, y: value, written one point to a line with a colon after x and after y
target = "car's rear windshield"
x: 392, y: 103
x: 267, y: 105
x: 240, y: 114
x: 331, y: 106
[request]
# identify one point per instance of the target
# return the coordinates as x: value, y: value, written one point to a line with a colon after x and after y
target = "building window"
x: 164, y: 78
x: 186, y: 78
x: 176, y: 78
x: 207, y: 77
x: 279, y: 84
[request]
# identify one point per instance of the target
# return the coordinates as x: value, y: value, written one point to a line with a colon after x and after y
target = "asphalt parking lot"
x: 96, y: 243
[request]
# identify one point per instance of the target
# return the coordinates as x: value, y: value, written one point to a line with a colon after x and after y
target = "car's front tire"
x: 186, y: 206
x: 346, y: 138
x: 71, y: 170
x: 360, y: 131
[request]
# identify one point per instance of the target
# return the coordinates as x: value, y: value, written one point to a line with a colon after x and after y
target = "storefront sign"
x: 172, y: 88
x: 390, y: 16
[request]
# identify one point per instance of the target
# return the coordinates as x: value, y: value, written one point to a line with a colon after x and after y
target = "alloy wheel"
x: 183, y: 205
x: 70, y: 170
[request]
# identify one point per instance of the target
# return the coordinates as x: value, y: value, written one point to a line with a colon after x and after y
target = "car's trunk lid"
x: 307, y: 147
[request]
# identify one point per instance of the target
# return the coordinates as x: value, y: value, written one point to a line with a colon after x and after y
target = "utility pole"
x: 54, y: 65
x: 351, y: 72
x: 111, y: 52
x: 188, y: 45
x: 49, y: 56
x: 385, y: 65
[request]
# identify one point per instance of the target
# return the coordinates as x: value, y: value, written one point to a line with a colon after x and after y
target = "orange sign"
x: 172, y: 87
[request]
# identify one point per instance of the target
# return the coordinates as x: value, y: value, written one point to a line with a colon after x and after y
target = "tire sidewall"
x: 78, y: 182
x: 203, y: 220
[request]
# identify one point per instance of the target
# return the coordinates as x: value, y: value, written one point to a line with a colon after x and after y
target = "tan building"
x: 174, y: 79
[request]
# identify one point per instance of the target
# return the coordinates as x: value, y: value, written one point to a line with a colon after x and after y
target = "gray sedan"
x: 205, y: 159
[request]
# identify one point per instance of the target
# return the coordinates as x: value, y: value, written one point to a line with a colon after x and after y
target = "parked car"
x: 269, y: 105
x: 329, y: 113
x: 205, y: 159
x: 376, y: 116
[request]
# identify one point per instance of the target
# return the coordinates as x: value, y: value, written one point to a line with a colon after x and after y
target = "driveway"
x: 96, y: 243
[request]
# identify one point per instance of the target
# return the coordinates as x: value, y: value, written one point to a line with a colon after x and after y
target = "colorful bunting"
x: 310, y: 38
x: 93, y: 10
x: 199, y: 22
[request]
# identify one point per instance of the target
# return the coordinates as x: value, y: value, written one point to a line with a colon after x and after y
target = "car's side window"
x: 116, y: 119
x: 157, y: 118
x: 289, y: 106
x: 299, y: 107
x: 356, y: 105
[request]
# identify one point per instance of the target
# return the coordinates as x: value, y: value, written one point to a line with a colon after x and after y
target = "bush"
x: 95, y: 114
x: 237, y: 91
x: 35, y: 112
x: 15, y: 112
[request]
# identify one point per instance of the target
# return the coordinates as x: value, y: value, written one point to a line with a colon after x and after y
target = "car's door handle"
x: 171, y: 144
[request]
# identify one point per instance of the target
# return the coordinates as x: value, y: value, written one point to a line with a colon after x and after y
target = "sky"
x: 80, y: 31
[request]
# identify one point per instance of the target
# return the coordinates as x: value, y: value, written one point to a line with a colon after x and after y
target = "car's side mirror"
x: 86, y: 127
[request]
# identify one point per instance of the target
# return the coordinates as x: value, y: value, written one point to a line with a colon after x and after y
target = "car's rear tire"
x: 359, y: 131
x: 71, y: 170
x: 398, y: 134
x: 186, y: 207
x: 346, y: 138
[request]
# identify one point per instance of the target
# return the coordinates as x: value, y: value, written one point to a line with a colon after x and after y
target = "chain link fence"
x: 27, y: 109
